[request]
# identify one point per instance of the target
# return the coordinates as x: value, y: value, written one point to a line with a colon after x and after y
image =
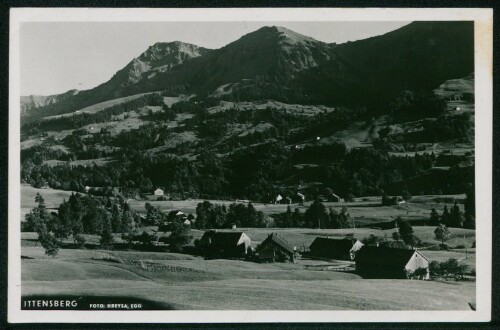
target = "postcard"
x: 250, y: 165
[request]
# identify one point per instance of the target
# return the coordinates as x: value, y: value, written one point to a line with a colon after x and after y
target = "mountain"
x: 158, y: 58
x: 273, y: 111
x: 277, y: 63
x: 418, y: 56
x: 268, y: 54
x: 37, y: 101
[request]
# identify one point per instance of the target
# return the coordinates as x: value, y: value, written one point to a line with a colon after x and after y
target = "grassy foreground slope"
x: 228, y: 284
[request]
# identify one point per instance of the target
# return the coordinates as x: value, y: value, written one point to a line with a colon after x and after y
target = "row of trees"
x: 101, y: 216
x: 210, y: 215
x: 80, y: 215
x: 250, y: 173
x: 454, y: 217
x: 404, y: 237
x: 316, y: 216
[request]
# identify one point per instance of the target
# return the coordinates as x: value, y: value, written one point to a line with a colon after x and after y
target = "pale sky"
x: 57, y: 57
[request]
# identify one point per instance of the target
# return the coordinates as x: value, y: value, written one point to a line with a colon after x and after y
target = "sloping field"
x: 227, y: 284
x: 358, y: 134
x: 66, y: 270
x: 305, y: 110
x: 454, y: 86
x: 468, y: 258
x: 100, y: 106
x: 248, y: 294
x: 52, y: 197
x: 114, y: 127
x: 84, y: 162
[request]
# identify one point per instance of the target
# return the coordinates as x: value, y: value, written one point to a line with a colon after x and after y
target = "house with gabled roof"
x: 384, y: 262
x: 275, y: 248
x: 217, y: 244
x: 332, y: 248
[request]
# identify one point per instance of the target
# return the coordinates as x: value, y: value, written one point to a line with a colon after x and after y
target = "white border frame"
x: 483, y: 19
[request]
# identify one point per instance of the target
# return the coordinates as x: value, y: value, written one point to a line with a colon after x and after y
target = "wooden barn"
x: 332, y: 248
x: 158, y: 192
x: 384, y: 262
x: 214, y: 244
x: 275, y: 248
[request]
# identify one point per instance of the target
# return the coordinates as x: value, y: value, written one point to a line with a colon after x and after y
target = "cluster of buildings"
x: 301, y: 198
x: 370, y: 261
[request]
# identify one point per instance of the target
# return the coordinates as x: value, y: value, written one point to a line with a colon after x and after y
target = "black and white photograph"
x: 250, y: 165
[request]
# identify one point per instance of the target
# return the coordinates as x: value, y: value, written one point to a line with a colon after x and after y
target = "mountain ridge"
x: 275, y: 62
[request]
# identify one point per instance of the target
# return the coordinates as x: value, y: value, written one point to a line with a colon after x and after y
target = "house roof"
x: 325, y: 243
x: 222, y: 238
x: 384, y: 256
x: 277, y: 240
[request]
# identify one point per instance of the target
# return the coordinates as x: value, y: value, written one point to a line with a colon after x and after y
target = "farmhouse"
x: 180, y: 215
x: 158, y: 192
x: 333, y: 248
x: 275, y: 248
x: 278, y: 199
x: 384, y: 262
x: 355, y: 248
x: 301, y: 197
x: 214, y: 244
x: 333, y: 198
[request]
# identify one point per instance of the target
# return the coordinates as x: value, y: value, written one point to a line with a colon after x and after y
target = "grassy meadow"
x: 187, y: 282
x: 182, y: 281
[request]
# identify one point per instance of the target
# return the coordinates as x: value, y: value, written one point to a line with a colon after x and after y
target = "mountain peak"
x: 284, y: 35
x: 182, y: 50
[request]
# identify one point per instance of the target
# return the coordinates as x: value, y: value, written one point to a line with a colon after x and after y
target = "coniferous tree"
x: 406, y: 232
x: 456, y: 216
x: 297, y: 218
x: 445, y: 217
x: 316, y: 214
x: 434, y: 218
x: 42, y: 223
x: 106, y: 239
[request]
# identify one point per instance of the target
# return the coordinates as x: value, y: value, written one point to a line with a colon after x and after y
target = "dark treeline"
x: 443, y: 128
x: 409, y: 105
x: 102, y: 216
x: 80, y: 215
x: 212, y: 216
x: 253, y: 173
x: 316, y: 216
x: 80, y: 120
x: 257, y: 164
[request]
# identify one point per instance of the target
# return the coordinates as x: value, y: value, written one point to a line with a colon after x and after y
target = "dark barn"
x: 332, y: 248
x: 383, y: 262
x: 275, y: 248
x: 214, y: 244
